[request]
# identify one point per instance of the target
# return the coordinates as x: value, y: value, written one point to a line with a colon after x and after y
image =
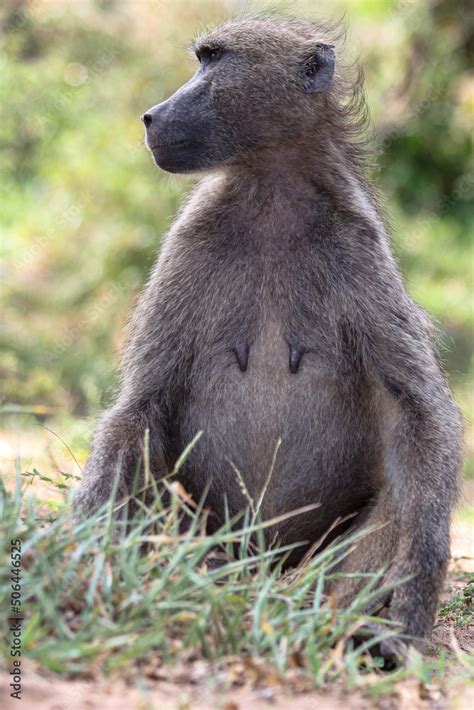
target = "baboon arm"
x: 116, y: 461
x: 421, y: 438
x: 422, y: 441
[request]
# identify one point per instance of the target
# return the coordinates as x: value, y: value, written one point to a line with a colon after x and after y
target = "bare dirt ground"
x: 45, y: 692
x: 240, y: 686
x: 62, y: 695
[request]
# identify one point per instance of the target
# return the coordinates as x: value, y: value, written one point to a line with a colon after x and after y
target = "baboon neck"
x: 295, y: 179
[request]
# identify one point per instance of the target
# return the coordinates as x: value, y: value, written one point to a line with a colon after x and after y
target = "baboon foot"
x: 393, y: 650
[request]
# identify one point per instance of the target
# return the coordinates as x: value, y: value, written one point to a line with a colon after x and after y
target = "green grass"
x: 460, y: 609
x: 98, y: 598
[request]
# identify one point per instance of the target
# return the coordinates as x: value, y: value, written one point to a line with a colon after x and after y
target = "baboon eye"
x: 206, y: 55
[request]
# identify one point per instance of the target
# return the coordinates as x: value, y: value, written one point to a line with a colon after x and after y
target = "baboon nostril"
x: 147, y: 119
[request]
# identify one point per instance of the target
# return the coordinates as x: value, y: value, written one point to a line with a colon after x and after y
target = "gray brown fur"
x: 283, y: 245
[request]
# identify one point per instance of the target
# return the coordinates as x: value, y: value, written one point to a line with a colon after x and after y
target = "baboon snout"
x: 185, y: 133
x: 152, y: 120
x: 165, y: 126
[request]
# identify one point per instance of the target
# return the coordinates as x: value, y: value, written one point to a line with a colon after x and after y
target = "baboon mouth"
x: 171, y: 144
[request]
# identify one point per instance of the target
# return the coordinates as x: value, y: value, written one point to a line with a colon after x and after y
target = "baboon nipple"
x: 242, y: 353
x: 296, y: 353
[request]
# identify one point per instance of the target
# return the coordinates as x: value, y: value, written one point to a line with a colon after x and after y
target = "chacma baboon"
x: 276, y: 310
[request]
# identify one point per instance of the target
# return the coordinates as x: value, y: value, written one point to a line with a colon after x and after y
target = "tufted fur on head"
x: 263, y: 86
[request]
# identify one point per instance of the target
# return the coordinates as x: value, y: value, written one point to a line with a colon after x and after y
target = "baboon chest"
x: 265, y: 375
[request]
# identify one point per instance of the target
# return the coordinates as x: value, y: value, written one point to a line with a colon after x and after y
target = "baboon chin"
x: 276, y: 311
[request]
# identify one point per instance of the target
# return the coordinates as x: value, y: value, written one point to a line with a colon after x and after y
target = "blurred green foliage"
x: 83, y: 208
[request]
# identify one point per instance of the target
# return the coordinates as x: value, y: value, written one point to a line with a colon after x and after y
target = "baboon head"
x: 261, y: 85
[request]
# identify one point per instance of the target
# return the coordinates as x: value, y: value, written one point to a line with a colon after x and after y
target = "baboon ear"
x: 318, y: 68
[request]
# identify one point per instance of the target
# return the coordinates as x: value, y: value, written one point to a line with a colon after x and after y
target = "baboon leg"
x: 115, y: 464
x: 373, y: 552
x: 387, y: 548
